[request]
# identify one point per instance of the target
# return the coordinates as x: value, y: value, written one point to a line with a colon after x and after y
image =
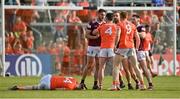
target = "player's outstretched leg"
x: 14, y: 88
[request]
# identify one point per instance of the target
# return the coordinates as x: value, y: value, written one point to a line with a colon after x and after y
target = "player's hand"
x: 96, y: 36
x: 136, y: 50
x: 115, y: 49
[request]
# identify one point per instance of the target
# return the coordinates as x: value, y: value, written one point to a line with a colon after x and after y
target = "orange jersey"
x: 145, y: 20
x: 63, y: 82
x: 62, y: 12
x: 18, y: 51
x: 26, y: 15
x: 53, y: 51
x: 107, y: 33
x: 93, y: 14
x: 30, y: 41
x: 11, y: 39
x: 147, y: 42
x: 41, y: 49
x: 83, y: 12
x: 127, y: 34
x: 9, y: 50
x: 74, y: 20
x: 67, y: 51
x: 59, y: 20
x: 78, y: 54
x: 20, y: 27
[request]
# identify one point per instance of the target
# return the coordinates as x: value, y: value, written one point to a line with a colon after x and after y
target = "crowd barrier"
x: 166, y: 67
x: 42, y: 64
x: 28, y: 64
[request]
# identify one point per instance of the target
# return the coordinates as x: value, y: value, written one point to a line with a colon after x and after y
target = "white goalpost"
x: 3, y: 37
x: 175, y: 37
x: 81, y: 8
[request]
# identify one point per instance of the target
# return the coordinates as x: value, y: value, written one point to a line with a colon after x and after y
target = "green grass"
x: 164, y: 87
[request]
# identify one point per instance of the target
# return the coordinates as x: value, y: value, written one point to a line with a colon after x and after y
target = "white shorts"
x: 126, y: 52
x: 45, y: 82
x: 93, y: 51
x: 106, y: 52
x: 141, y: 55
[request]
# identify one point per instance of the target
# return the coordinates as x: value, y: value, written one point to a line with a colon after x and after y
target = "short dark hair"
x: 115, y: 11
x: 109, y: 16
x: 136, y: 16
x: 101, y: 10
x: 123, y: 14
x: 146, y: 25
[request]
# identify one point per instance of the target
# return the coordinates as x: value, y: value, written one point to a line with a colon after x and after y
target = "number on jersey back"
x: 109, y: 31
x: 128, y: 28
x: 67, y: 80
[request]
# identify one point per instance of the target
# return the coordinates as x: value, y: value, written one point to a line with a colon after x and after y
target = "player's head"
x: 101, y: 14
x: 109, y: 16
x: 141, y: 28
x: 116, y: 16
x: 135, y: 19
x: 148, y: 28
x: 123, y: 15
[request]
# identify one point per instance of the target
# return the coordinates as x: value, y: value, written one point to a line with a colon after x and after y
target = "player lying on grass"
x: 52, y: 82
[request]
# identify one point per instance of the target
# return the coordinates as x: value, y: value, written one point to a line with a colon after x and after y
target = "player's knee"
x: 89, y: 67
x: 90, y: 64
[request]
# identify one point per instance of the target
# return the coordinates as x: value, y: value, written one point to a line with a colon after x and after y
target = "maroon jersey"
x: 92, y: 26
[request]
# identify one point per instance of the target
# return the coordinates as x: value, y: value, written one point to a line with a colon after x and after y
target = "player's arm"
x: 95, y: 32
x: 90, y: 36
x: 28, y: 87
x: 83, y: 31
x: 118, y: 34
x: 88, y: 31
x: 137, y: 39
x: 142, y: 35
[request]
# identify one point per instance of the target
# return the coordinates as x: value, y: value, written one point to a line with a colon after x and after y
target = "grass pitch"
x: 164, y: 87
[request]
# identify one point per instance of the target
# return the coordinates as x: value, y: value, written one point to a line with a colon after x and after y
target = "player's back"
x: 127, y: 34
x: 63, y: 82
x: 108, y: 35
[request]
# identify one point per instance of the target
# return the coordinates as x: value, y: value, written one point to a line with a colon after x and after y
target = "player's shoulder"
x: 132, y: 25
x: 129, y: 22
x: 110, y: 24
x: 121, y: 24
x: 92, y: 22
x: 69, y: 77
x: 114, y: 24
x: 118, y: 24
x: 102, y: 23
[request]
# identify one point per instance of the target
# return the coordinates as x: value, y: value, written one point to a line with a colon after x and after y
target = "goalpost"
x: 175, y: 37
x: 81, y: 8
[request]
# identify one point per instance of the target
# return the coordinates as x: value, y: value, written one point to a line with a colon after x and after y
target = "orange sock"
x: 142, y: 82
x: 116, y: 83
